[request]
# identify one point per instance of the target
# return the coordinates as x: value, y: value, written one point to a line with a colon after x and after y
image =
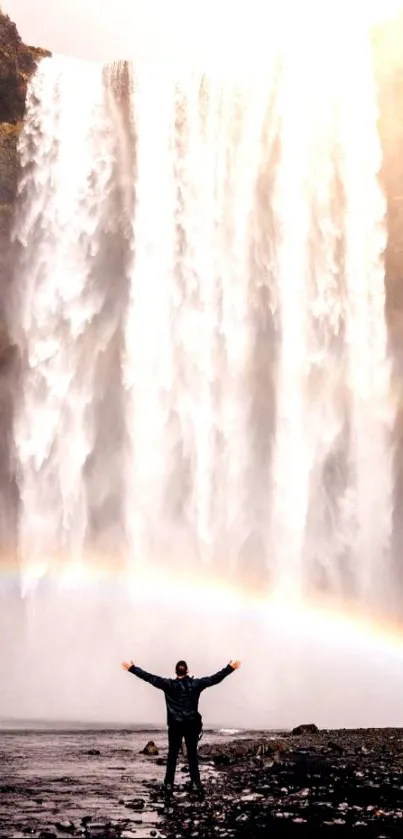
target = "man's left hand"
x: 127, y: 665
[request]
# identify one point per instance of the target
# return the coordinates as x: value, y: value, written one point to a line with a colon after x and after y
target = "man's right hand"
x: 235, y: 664
x: 127, y: 665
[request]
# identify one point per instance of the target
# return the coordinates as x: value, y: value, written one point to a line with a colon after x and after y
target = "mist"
x: 105, y: 30
x: 65, y: 664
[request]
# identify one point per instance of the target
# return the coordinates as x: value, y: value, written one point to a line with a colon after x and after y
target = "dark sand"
x: 96, y: 784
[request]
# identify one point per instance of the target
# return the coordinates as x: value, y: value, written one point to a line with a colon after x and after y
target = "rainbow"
x: 322, y: 616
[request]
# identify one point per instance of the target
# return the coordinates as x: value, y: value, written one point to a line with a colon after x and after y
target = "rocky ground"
x: 99, y: 784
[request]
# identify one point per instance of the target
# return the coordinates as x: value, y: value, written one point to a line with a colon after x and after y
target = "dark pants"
x: 176, y: 731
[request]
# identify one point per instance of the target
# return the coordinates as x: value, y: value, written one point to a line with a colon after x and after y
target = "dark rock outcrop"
x: 17, y: 64
x: 307, y: 728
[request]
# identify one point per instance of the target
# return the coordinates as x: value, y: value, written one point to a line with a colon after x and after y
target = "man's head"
x: 181, y: 669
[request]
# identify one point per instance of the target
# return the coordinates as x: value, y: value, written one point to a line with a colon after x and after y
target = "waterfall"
x: 200, y: 310
x: 67, y: 310
x: 204, y: 385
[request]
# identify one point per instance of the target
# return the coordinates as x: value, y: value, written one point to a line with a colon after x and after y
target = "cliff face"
x: 17, y: 63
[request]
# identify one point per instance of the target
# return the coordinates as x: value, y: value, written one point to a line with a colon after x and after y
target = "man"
x: 184, y: 721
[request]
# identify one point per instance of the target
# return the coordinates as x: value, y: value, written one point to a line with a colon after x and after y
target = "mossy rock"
x: 17, y: 64
x: 6, y: 218
x: 9, y: 133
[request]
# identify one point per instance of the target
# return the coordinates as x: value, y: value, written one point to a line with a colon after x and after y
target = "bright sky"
x: 104, y: 29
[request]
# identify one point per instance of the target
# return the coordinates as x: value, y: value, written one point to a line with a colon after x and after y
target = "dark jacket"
x: 182, y: 695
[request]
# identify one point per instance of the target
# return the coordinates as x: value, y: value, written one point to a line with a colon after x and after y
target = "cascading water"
x: 68, y: 309
x: 199, y: 304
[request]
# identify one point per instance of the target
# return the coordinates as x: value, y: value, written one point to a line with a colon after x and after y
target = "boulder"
x: 306, y: 728
x: 150, y: 749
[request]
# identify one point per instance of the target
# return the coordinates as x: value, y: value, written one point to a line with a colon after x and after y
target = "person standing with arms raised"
x: 184, y: 720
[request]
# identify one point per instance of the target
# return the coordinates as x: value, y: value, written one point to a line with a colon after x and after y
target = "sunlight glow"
x: 242, y: 33
x: 130, y: 29
x: 317, y: 617
x: 382, y: 10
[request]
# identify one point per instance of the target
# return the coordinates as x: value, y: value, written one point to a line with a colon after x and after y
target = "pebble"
x: 66, y: 826
x: 136, y: 804
x: 354, y: 784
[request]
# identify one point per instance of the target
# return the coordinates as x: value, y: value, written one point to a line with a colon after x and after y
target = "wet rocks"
x: 335, y: 785
x: 102, y: 829
x: 150, y: 749
x: 226, y: 754
x: 328, y: 783
x: 335, y: 747
x: 136, y: 804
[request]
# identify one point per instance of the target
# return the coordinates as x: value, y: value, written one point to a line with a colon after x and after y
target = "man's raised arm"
x: 156, y: 681
x: 210, y: 681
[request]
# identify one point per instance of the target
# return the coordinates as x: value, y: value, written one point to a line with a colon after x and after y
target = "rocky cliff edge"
x: 17, y: 64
